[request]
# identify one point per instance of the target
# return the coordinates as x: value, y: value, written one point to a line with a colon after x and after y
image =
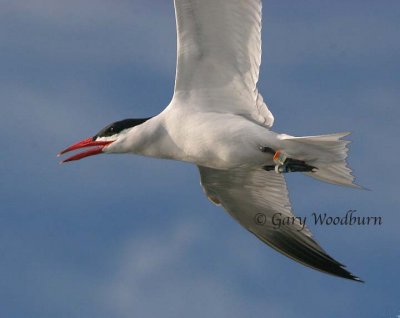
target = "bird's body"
x: 218, y: 121
x: 220, y: 141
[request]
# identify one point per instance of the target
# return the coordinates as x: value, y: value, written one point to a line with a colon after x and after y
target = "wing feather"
x: 219, y: 56
x: 252, y: 197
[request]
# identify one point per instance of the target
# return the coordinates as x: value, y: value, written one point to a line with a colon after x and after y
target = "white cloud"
x: 92, y: 31
x: 157, y: 276
x: 346, y: 33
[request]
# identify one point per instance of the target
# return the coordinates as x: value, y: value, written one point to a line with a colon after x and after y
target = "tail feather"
x: 326, y: 152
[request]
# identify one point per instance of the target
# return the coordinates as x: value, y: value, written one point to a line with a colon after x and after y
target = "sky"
x: 127, y: 236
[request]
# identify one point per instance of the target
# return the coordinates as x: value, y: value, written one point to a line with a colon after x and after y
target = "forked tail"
x: 327, y: 153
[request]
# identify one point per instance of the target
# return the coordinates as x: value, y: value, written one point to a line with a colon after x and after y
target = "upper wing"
x: 253, y: 197
x: 219, y: 55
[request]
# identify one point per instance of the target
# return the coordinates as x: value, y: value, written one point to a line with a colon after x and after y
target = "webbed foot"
x: 283, y: 164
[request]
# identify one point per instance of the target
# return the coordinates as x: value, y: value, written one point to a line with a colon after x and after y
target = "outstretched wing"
x: 219, y: 55
x: 253, y: 197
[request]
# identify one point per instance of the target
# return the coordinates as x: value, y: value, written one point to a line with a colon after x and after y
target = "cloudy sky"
x: 125, y: 236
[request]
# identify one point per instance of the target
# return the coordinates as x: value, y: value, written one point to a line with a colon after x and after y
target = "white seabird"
x: 218, y: 120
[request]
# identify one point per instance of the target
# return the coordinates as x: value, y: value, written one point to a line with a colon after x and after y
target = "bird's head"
x: 104, y: 138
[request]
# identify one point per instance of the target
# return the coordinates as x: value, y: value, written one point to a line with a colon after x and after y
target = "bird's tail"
x: 327, y: 153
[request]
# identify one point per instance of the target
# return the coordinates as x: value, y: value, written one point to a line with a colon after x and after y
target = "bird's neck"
x: 148, y: 139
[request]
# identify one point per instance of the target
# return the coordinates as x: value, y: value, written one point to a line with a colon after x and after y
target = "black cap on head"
x: 119, y: 126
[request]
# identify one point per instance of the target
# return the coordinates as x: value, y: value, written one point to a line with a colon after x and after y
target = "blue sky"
x: 125, y: 236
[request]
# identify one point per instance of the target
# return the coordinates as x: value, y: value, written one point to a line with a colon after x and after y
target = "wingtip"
x: 350, y: 276
x: 358, y: 279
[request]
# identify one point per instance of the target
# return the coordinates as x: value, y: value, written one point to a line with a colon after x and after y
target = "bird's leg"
x: 294, y: 165
x: 284, y: 164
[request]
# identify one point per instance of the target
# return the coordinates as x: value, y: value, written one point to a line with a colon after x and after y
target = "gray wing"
x: 252, y: 197
x: 219, y: 56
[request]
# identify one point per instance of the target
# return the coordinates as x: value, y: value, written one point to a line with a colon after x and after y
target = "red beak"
x: 89, y: 142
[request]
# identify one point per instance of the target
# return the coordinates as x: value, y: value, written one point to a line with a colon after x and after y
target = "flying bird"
x: 218, y: 120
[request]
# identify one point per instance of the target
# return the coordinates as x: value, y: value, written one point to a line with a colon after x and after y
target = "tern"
x: 218, y: 120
